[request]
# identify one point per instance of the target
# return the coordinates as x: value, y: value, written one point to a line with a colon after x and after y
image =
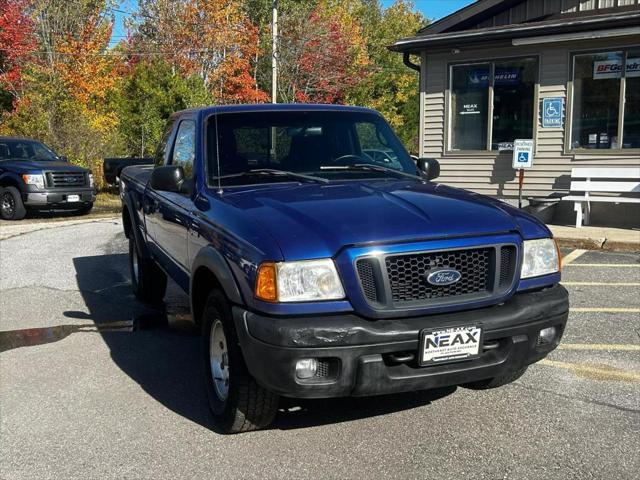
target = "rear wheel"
x: 11, y: 206
x: 237, y: 402
x: 148, y: 281
x: 496, y: 382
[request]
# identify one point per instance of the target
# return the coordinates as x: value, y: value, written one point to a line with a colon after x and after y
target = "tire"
x: 11, y: 206
x: 496, y: 382
x: 85, y: 209
x: 237, y: 402
x: 148, y: 281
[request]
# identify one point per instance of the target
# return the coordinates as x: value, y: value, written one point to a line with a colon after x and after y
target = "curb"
x: 599, y: 244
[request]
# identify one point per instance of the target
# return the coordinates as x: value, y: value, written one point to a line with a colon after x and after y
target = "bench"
x: 601, y: 180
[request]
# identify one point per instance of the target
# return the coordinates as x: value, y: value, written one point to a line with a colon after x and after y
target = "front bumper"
x: 362, y: 355
x: 59, y: 198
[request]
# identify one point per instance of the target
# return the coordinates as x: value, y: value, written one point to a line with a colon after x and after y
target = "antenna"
x: 218, y: 155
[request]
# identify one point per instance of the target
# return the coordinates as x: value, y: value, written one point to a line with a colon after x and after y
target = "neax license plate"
x: 73, y: 198
x: 450, y: 344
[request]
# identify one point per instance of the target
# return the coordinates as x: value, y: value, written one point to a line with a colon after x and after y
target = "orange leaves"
x: 87, y: 73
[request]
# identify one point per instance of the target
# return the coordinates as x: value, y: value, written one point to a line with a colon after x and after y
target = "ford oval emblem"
x: 443, y: 276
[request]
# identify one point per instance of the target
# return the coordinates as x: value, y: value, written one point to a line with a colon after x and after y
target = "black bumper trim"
x: 362, y: 347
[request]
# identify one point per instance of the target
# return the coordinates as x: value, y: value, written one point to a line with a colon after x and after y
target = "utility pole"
x: 274, y: 53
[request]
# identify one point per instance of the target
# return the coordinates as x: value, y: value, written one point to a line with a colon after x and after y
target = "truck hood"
x: 25, y: 166
x: 313, y: 220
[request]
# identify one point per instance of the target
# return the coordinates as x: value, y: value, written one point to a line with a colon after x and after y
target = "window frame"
x: 568, y: 131
x: 448, y: 151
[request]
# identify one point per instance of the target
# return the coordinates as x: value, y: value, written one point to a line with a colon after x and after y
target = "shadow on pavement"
x: 166, y: 362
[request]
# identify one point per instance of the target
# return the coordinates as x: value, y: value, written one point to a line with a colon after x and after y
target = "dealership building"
x: 564, y: 73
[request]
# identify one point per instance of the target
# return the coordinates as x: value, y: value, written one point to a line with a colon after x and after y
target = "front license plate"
x: 450, y: 344
x: 73, y: 198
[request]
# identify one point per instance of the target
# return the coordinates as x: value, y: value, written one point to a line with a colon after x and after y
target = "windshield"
x: 330, y: 145
x: 25, y: 150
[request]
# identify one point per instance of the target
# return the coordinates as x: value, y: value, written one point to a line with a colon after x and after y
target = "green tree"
x: 149, y: 95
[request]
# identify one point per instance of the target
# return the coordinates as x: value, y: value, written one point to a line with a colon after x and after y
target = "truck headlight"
x: 540, y: 257
x: 91, y: 180
x: 301, y: 281
x: 37, y: 180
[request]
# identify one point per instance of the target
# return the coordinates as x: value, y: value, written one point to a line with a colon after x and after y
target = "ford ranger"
x: 33, y: 177
x: 319, y: 267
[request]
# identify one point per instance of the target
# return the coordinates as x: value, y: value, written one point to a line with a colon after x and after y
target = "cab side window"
x: 163, y: 146
x: 184, y: 149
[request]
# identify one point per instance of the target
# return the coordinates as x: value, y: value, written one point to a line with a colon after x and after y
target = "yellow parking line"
x: 604, y: 284
x: 572, y: 256
x: 599, y: 346
x: 605, y: 310
x: 616, y: 265
x: 603, y: 372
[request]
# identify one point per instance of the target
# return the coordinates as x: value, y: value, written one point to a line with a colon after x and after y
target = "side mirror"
x: 168, y: 178
x: 429, y: 168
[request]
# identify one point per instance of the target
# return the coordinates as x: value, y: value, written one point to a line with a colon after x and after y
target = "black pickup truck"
x: 32, y: 176
x: 112, y: 167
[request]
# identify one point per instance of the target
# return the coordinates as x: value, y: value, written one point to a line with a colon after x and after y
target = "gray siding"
x: 534, y: 9
x: 490, y: 172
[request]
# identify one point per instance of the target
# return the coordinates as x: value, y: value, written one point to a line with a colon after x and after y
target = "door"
x: 173, y: 208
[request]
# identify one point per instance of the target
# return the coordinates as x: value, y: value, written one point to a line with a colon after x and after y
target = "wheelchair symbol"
x: 551, y: 110
x: 523, y: 157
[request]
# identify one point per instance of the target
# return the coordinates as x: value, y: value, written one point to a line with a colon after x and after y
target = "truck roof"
x: 274, y: 107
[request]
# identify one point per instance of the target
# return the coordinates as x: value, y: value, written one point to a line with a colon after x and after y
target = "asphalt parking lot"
x: 87, y: 392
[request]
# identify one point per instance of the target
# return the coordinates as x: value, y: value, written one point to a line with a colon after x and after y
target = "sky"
x: 432, y: 9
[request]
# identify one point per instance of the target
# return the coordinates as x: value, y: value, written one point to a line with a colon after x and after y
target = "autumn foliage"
x: 66, y: 80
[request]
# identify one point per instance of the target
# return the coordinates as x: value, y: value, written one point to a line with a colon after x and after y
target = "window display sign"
x: 612, y: 68
x: 522, y: 153
x: 552, y: 112
x: 506, y: 76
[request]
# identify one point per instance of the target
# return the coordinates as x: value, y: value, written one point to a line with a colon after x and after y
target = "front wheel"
x: 11, y: 206
x: 148, y: 281
x: 237, y: 402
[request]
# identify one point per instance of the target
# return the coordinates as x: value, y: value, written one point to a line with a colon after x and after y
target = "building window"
x: 600, y: 82
x: 477, y: 123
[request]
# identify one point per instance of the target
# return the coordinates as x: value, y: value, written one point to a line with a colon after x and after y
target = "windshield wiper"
x: 276, y: 172
x: 373, y: 168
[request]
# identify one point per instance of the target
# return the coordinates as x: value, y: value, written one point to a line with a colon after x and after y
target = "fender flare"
x: 213, y: 260
x: 11, y: 179
x: 141, y: 243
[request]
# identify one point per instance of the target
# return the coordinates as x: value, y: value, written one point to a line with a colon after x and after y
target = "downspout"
x: 407, y: 61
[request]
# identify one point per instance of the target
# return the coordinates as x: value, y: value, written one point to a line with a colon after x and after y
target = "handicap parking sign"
x: 522, y: 153
x: 552, y: 112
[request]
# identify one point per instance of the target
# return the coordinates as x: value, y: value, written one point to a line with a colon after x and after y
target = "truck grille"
x: 66, y: 179
x: 396, y: 281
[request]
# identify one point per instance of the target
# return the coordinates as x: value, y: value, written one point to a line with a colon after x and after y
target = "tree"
x: 149, y: 95
x: 17, y: 43
x: 213, y: 39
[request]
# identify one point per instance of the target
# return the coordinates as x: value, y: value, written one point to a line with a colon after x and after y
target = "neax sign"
x: 613, y: 68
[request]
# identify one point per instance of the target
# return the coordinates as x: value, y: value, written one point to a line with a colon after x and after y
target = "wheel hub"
x: 219, y: 360
x: 8, y: 204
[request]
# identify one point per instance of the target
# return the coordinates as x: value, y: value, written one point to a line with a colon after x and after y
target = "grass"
x: 107, y: 202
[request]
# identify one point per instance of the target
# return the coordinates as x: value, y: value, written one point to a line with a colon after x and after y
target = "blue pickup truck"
x: 318, y: 269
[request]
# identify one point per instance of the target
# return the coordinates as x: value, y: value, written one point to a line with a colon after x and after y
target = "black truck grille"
x: 66, y: 179
x: 407, y: 274
x: 398, y: 280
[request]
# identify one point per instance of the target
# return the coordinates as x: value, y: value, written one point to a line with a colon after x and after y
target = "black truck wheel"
x: 237, y: 402
x: 496, y: 382
x: 11, y: 206
x: 148, y: 281
x: 85, y: 209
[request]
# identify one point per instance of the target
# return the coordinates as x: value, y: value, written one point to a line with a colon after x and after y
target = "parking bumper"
x: 362, y: 355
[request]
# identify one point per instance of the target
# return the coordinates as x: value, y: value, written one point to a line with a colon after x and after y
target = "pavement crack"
x: 578, y: 398
x: 67, y: 290
x: 55, y: 226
